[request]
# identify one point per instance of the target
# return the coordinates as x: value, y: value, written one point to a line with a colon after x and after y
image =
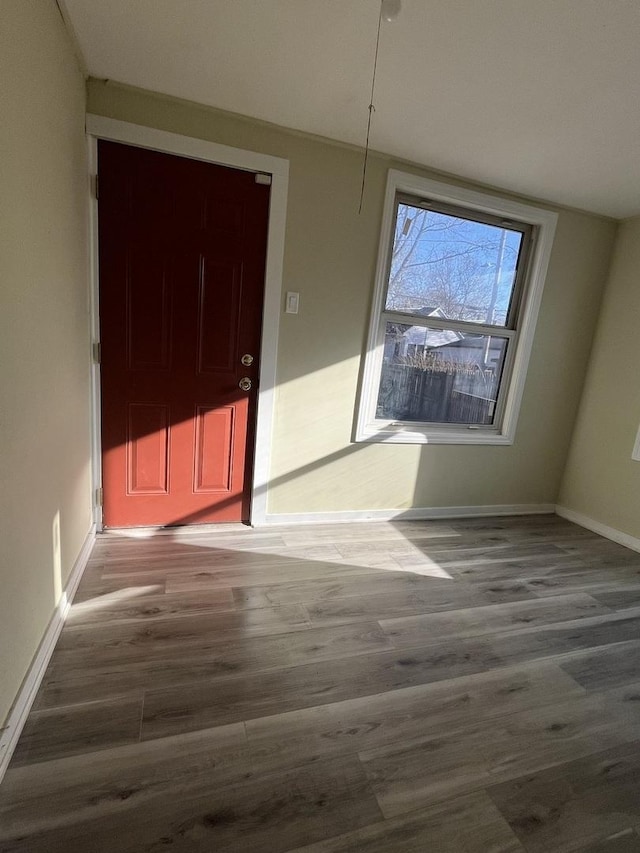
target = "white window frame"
x: 543, y: 222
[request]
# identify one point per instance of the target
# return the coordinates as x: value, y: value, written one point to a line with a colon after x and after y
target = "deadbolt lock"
x: 247, y: 360
x: 245, y: 383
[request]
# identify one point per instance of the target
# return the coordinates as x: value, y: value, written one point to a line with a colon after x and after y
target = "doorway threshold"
x: 180, y: 531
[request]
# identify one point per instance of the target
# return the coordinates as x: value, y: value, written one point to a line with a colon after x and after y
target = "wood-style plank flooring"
x: 462, y: 687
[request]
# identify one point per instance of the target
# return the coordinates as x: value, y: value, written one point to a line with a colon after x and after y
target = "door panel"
x: 182, y: 257
x: 148, y: 449
x: 219, y: 293
x: 149, y: 291
x: 214, y: 443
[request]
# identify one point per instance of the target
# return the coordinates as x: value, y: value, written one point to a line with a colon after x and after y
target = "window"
x: 459, y: 282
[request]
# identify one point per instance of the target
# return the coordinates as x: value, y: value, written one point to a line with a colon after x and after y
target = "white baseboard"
x: 414, y: 513
x: 10, y: 732
x: 597, y: 527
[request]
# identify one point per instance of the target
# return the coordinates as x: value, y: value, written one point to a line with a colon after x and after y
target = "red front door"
x: 182, y: 257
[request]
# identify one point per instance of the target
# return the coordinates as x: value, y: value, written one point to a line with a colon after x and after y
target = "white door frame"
x: 99, y: 127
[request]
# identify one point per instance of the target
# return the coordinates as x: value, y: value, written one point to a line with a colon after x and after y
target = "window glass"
x: 439, y: 375
x: 462, y: 268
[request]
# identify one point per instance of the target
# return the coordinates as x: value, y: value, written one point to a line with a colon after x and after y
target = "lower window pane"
x: 440, y: 375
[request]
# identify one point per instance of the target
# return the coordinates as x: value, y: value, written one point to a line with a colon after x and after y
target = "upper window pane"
x: 450, y: 267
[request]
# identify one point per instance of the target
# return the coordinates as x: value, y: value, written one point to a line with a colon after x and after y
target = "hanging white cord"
x: 371, y: 110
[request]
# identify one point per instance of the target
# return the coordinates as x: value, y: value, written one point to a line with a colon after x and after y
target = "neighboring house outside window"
x: 459, y: 283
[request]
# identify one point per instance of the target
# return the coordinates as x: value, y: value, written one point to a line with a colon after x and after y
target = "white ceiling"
x: 536, y: 96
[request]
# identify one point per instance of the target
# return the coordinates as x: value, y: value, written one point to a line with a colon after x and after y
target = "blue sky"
x: 439, y: 258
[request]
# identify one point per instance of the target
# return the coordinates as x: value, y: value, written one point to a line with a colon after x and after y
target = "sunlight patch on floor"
x: 379, y: 546
x: 102, y: 602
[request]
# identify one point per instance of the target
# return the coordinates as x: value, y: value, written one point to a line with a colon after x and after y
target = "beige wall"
x: 601, y: 480
x: 330, y: 258
x: 44, y: 363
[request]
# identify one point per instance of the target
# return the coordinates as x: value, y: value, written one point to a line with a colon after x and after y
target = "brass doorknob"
x: 245, y: 383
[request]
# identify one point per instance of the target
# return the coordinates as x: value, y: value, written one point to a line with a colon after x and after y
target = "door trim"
x: 99, y: 127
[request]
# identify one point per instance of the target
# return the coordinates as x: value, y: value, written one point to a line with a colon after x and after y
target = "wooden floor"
x: 468, y: 687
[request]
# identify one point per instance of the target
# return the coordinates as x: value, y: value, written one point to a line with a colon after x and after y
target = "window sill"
x: 386, y: 433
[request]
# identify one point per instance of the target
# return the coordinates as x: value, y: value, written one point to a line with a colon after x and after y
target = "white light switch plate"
x: 635, y: 453
x: 292, y: 302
